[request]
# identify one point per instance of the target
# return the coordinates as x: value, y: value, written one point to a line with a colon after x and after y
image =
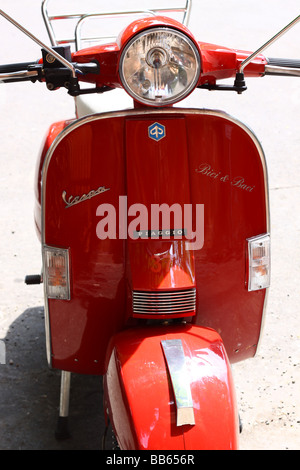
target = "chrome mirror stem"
x: 57, y: 56
x: 267, y: 44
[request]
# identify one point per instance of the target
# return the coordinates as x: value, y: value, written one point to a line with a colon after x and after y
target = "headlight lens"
x: 159, y: 66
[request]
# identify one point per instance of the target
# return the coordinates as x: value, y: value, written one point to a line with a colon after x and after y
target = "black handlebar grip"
x: 290, y: 63
x: 19, y: 67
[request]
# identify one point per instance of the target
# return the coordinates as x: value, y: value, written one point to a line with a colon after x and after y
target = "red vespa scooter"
x: 154, y: 228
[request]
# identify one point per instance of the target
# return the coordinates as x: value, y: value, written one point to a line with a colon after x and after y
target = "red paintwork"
x: 217, y: 62
x: 140, y: 25
x: 220, y: 62
x: 107, y: 56
x: 141, y: 404
x: 54, y: 130
x: 157, y: 266
x: 116, y: 152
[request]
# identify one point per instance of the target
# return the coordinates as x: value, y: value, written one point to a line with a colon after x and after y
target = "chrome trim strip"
x: 263, y: 320
x: 154, y: 295
x: 149, y: 112
x: 175, y: 358
x: 166, y: 293
x: 165, y: 300
x: 167, y: 309
x: 47, y: 321
x: 190, y: 304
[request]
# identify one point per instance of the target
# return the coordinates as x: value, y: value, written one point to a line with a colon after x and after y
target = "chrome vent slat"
x: 163, y: 312
x: 191, y: 296
x: 168, y: 304
x: 153, y: 297
x: 166, y: 307
x: 159, y: 293
x: 164, y: 303
x: 164, y: 300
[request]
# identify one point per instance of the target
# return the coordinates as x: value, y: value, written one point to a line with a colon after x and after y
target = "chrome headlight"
x: 159, y: 66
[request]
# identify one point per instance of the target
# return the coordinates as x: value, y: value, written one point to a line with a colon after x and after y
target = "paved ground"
x: 268, y: 385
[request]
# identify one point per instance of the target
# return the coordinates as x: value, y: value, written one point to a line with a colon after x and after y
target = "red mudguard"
x: 141, y: 401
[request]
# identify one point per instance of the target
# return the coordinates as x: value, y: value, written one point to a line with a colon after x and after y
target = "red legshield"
x: 203, y: 158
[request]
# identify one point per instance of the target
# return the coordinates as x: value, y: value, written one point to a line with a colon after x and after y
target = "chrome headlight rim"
x: 178, y: 97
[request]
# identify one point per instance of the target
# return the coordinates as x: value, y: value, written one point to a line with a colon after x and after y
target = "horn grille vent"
x: 174, y: 303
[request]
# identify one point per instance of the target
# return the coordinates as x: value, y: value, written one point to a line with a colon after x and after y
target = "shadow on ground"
x: 30, y: 394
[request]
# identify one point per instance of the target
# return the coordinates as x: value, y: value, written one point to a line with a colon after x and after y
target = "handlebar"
x: 283, y: 67
x: 292, y: 63
x: 92, y: 67
x: 18, y: 67
x: 17, y: 72
x: 58, y: 70
x: 53, y: 73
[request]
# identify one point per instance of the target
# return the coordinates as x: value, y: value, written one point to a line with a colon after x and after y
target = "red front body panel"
x: 205, y: 158
x: 142, y: 405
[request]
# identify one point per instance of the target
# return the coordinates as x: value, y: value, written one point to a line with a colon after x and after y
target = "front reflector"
x: 56, y: 273
x: 259, y: 262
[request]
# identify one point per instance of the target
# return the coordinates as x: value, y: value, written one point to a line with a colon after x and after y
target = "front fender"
x: 141, y: 400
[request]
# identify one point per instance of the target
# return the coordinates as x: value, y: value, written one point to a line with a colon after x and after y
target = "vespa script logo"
x: 156, y: 131
x: 72, y: 201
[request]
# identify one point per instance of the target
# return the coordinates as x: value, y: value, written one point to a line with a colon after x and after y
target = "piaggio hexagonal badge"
x: 156, y: 131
